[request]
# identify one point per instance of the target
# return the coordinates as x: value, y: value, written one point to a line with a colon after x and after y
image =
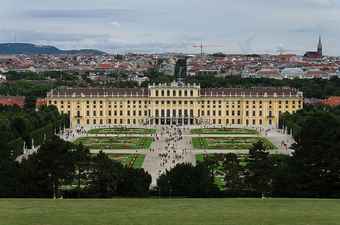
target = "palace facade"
x: 176, y: 103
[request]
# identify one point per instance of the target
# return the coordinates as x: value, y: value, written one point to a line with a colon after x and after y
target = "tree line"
x: 312, y: 88
x: 62, y: 169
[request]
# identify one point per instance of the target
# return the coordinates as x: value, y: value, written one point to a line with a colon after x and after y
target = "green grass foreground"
x: 170, y: 212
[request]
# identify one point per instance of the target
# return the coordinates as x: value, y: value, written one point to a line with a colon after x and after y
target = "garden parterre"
x: 122, y: 130
x: 229, y: 143
x: 115, y: 142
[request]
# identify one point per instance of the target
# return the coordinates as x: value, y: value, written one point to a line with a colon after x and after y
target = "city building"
x: 12, y: 101
x: 292, y: 73
x: 332, y: 101
x: 318, y: 53
x: 181, y: 68
x: 176, y: 103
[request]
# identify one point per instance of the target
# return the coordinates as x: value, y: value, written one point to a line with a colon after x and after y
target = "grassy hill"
x: 170, y: 212
x: 31, y: 49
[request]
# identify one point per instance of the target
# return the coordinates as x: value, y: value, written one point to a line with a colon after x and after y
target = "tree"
x: 233, y: 172
x: 134, y: 182
x: 317, y: 154
x: 105, y: 175
x: 43, y: 173
x: 8, y: 171
x: 259, y: 169
x: 82, y: 161
x: 211, y: 161
x: 187, y: 180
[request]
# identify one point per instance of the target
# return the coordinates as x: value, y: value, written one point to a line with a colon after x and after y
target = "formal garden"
x: 115, y: 142
x: 122, y: 130
x: 229, y: 143
x: 130, y: 160
x: 224, y: 131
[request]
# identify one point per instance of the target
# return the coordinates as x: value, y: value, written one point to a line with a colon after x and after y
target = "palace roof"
x: 144, y: 92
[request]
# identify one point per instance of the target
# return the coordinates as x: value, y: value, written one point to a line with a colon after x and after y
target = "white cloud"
x: 115, y: 24
x: 174, y: 24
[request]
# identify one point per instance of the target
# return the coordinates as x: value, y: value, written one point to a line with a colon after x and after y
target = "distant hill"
x: 31, y: 49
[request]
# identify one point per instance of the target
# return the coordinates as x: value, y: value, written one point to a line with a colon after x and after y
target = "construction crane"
x: 202, y: 47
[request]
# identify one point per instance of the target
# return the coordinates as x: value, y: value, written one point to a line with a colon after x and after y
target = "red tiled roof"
x: 40, y: 102
x: 332, y: 101
x: 105, y: 66
x: 12, y: 101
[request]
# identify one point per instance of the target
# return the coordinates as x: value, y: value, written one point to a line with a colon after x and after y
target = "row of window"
x: 174, y: 102
x: 109, y: 121
x: 167, y: 113
x: 134, y: 121
x: 175, y: 93
x: 175, y: 113
x: 116, y: 113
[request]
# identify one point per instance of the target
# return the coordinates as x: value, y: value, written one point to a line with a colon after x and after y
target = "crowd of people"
x: 171, y: 147
x: 71, y: 134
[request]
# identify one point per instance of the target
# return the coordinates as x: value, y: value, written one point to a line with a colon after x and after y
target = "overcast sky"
x: 242, y: 26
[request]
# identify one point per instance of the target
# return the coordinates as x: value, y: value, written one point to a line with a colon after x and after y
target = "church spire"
x: 320, y: 46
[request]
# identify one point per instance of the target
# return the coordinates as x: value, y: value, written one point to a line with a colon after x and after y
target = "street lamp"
x: 53, y: 185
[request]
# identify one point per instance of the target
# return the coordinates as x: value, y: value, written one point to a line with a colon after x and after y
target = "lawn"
x: 122, y: 131
x: 224, y: 131
x: 228, y: 143
x: 131, y: 160
x: 115, y: 142
x: 170, y: 212
x: 199, y: 157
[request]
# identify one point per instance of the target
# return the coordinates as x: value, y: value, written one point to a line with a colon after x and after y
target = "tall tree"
x: 187, y: 180
x: 233, y: 172
x: 317, y: 154
x: 82, y: 162
x: 259, y: 169
x: 105, y: 176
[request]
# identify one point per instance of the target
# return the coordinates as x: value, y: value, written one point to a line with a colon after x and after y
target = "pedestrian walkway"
x: 281, y: 140
x: 171, y: 147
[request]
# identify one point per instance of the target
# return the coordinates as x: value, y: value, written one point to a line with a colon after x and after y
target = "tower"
x: 320, y: 46
x: 181, y: 69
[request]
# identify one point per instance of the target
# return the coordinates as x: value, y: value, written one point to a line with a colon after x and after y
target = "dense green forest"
x: 22, y: 125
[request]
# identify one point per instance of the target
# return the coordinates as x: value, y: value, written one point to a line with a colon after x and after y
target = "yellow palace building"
x: 177, y: 104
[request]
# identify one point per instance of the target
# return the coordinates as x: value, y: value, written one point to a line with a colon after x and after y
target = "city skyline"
x: 171, y: 26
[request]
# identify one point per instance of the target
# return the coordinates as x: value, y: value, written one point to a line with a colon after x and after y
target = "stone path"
x: 277, y: 138
x: 153, y: 160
